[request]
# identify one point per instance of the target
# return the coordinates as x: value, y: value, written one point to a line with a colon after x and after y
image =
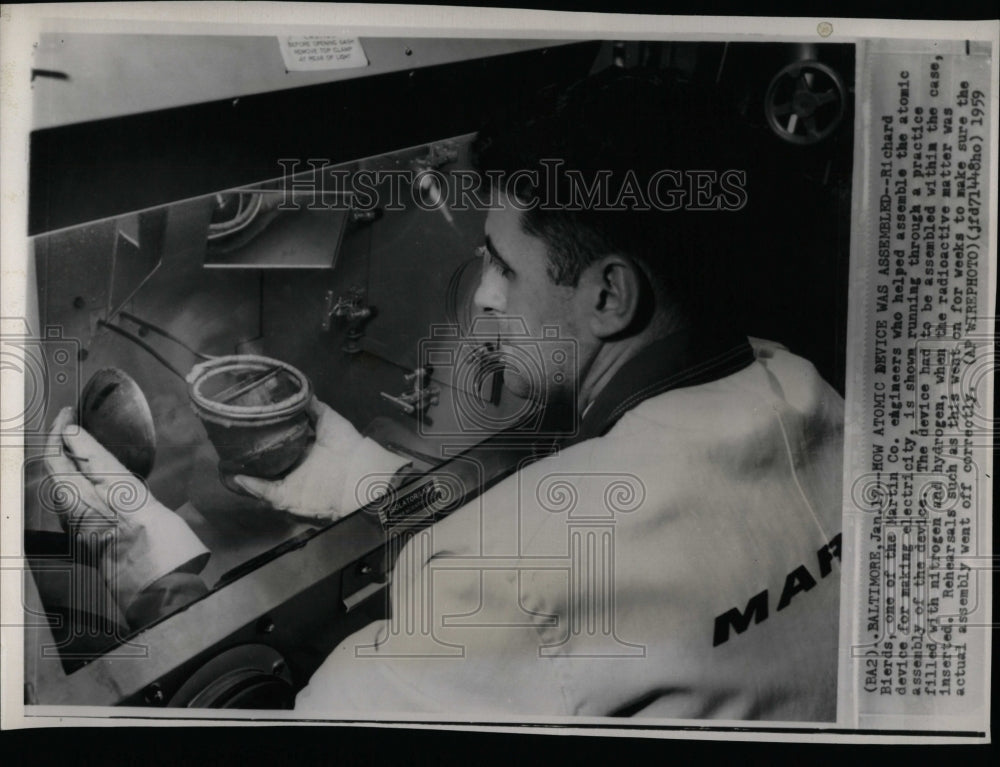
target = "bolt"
x: 154, y: 695
x: 265, y: 625
x: 278, y: 667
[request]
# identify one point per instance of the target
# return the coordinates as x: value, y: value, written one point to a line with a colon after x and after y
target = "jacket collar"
x: 668, y: 363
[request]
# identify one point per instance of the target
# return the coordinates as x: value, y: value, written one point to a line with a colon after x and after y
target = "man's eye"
x: 493, y: 262
x: 500, y: 266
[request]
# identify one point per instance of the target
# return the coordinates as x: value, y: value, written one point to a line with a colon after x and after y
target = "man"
x: 677, y: 557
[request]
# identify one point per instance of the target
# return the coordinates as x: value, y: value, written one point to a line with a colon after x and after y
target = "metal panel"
x: 88, y: 171
x: 112, y: 75
x: 415, y: 259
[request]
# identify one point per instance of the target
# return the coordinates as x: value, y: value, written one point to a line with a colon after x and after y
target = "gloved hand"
x: 134, y: 539
x: 342, y: 472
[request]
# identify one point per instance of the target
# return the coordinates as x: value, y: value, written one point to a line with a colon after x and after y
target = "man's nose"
x: 489, y: 296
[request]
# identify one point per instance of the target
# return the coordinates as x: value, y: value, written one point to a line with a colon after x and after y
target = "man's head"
x: 602, y: 229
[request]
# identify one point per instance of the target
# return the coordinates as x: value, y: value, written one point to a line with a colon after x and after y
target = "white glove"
x: 342, y: 472
x: 135, y: 539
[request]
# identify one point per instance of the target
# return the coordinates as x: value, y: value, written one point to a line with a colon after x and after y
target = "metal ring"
x: 797, y: 117
x: 247, y: 414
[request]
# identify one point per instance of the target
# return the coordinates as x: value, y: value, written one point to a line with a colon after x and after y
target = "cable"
x: 139, y: 342
x: 243, y: 218
x: 160, y: 331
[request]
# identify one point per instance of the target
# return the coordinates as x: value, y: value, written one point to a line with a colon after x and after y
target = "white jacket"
x: 684, y: 565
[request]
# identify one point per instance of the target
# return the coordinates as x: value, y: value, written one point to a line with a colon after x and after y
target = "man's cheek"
x: 523, y: 369
x: 516, y: 385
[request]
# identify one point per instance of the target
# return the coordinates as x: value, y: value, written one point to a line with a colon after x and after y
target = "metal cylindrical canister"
x: 254, y: 410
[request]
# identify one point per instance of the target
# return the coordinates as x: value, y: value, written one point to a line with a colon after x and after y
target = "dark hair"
x: 630, y: 126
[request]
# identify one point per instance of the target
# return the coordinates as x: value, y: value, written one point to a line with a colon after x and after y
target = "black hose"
x: 166, y: 334
x: 139, y: 342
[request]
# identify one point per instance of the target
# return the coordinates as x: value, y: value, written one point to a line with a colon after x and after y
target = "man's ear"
x: 615, y: 288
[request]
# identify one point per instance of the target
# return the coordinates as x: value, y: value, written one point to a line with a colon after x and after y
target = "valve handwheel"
x: 805, y: 102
